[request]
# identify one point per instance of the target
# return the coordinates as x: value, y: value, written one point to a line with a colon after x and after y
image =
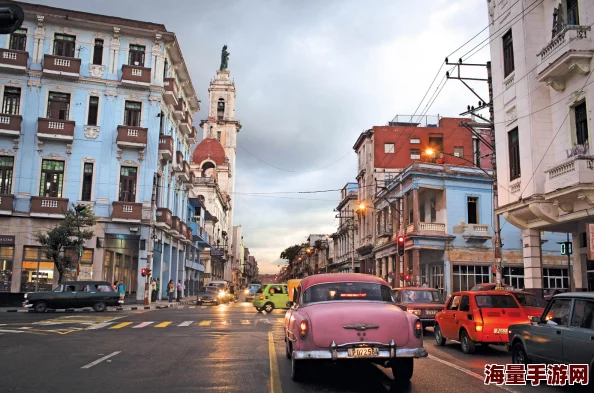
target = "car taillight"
x: 477, y: 315
x: 418, y: 328
x: 303, y: 328
x: 261, y: 297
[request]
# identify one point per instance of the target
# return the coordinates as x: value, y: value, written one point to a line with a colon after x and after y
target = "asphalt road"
x: 203, y: 349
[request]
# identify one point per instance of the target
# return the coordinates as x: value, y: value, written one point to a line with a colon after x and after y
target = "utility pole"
x: 149, y: 254
x: 475, y: 129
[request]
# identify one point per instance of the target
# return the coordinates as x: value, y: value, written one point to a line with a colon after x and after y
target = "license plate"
x: 362, y: 352
x: 500, y: 331
x: 430, y: 312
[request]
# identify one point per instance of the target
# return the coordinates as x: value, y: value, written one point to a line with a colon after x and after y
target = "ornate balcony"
x: 132, y: 137
x: 10, y: 125
x: 190, y: 235
x: 166, y: 147
x: 164, y: 218
x: 180, y: 109
x: 183, y: 230
x: 185, y: 126
x: 126, y: 211
x: 384, y: 232
x: 193, y: 137
x: 179, y: 162
x: 136, y: 75
x: 53, y: 129
x: 426, y: 227
x: 175, y: 226
x: 61, y: 65
x: 48, y: 207
x: 13, y: 60
x: 569, y: 51
x: 476, y: 232
x: 6, y: 204
x: 570, y: 173
x: 171, y: 91
x: 191, y: 182
x: 184, y: 176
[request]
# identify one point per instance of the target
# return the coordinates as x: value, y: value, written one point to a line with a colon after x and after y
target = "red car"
x: 350, y: 317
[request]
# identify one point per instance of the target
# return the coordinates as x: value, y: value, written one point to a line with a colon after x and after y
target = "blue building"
x: 447, y: 219
x: 96, y: 110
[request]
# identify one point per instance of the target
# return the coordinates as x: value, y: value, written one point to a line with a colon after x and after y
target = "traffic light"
x: 145, y: 272
x: 406, y: 278
x: 400, y: 245
x: 566, y: 248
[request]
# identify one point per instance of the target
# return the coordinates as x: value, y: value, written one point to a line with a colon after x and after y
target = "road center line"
x: 12, y: 331
x: 100, y: 360
x: 186, y: 323
x: 472, y: 374
x: 275, y: 384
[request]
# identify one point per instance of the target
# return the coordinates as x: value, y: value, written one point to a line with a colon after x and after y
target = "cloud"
x: 310, y: 76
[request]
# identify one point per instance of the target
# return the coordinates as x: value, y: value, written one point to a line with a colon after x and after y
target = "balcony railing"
x: 180, y: 109
x: 193, y: 137
x: 10, y: 125
x: 171, y: 91
x: 164, y: 218
x: 13, y: 60
x: 426, y: 227
x: 191, y: 182
x: 61, y: 65
x: 6, y: 204
x: 185, y: 126
x: 136, y: 75
x: 126, y: 211
x: 190, y: 235
x: 205, y: 180
x: 185, y: 175
x: 134, y: 137
x: 183, y: 230
x: 384, y: 232
x: 55, y: 129
x: 175, y: 226
x: 569, y: 173
x: 48, y: 207
x: 179, y: 162
x: 166, y: 147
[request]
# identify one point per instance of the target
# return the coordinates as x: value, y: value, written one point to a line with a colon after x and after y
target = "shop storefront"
x: 467, y: 276
x: 6, y: 262
x: 38, y: 272
x: 120, y: 262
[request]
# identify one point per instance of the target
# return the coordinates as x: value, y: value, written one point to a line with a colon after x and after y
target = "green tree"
x: 290, y: 253
x: 63, y: 243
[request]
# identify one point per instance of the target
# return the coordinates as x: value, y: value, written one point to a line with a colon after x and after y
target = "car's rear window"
x: 416, y: 296
x: 104, y: 288
x: 496, y: 301
x: 347, y: 291
x: 260, y: 290
x: 211, y: 289
x: 526, y: 299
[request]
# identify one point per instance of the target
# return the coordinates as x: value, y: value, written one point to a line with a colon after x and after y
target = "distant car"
x: 490, y: 286
x: 208, y: 295
x: 564, y: 334
x: 351, y: 317
x: 549, y: 293
x: 74, y: 294
x: 478, y: 317
x: 250, y: 292
x: 422, y: 302
x: 529, y: 303
x: 271, y: 296
x: 223, y: 288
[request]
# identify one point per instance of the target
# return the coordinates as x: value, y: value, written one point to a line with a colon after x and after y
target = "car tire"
x: 99, y: 306
x: 268, y: 307
x: 403, y: 369
x: 439, y: 338
x: 258, y: 309
x: 519, y: 355
x: 468, y: 346
x: 40, y: 306
x: 287, y: 348
x: 297, y: 369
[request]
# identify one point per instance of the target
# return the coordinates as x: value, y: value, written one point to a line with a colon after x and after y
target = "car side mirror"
x: 535, y: 319
x: 290, y: 304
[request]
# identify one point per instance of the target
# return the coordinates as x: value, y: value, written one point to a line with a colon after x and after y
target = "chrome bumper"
x: 26, y: 304
x: 341, y: 352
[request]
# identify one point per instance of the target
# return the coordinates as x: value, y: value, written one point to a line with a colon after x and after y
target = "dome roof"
x: 209, y: 148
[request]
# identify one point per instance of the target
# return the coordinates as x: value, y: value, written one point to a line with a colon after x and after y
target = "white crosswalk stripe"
x: 141, y: 325
x: 186, y: 323
x: 245, y: 322
x: 11, y: 331
x: 264, y: 321
x: 225, y: 322
x: 101, y: 325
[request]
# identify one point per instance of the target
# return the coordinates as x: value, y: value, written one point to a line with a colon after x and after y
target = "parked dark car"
x: 564, y: 333
x: 74, y: 294
x: 549, y: 293
x: 422, y: 302
x: 208, y: 295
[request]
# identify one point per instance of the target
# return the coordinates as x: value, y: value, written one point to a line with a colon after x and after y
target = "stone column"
x: 416, y: 212
x: 390, y: 261
x: 160, y: 262
x: 404, y: 212
x: 416, y: 276
x: 579, y: 266
x: 377, y: 267
x: 447, y: 278
x: 532, y: 261
x: 182, y: 268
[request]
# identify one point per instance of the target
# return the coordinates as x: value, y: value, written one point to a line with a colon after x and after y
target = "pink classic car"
x: 349, y: 316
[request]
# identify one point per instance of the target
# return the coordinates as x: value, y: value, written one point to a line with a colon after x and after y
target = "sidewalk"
x: 126, y: 307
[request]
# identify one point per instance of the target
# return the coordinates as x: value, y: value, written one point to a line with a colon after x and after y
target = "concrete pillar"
x: 447, y: 278
x: 182, y: 268
x: 390, y: 260
x: 404, y: 212
x: 416, y: 212
x: 17, y: 268
x: 416, y: 266
x: 579, y: 266
x: 160, y: 262
x: 406, y: 267
x: 532, y: 261
x: 377, y: 267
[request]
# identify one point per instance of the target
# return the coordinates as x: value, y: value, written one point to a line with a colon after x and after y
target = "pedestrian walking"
x: 170, y: 290
x: 158, y: 288
x: 122, y: 291
x: 154, y: 288
x: 179, y: 290
x: 115, y: 286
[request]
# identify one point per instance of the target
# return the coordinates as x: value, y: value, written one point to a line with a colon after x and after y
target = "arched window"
x: 220, y: 109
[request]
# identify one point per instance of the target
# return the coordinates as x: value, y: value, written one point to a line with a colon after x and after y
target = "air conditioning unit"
x: 456, y: 154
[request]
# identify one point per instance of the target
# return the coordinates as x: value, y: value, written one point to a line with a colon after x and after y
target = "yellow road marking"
x: 121, y: 325
x: 205, y: 323
x: 281, y: 320
x: 275, y: 384
x: 192, y: 306
x: 163, y: 324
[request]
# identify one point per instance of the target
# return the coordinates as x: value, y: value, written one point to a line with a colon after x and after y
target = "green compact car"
x: 271, y: 296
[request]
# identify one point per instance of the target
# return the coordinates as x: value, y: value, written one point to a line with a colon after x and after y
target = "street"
x: 203, y: 349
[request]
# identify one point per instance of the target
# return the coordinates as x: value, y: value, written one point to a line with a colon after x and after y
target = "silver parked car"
x: 564, y: 333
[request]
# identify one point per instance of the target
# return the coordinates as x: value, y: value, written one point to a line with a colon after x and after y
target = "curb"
x: 88, y: 310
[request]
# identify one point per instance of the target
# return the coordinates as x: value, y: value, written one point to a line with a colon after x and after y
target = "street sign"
x: 566, y: 248
x: 590, y: 239
x: 217, y: 252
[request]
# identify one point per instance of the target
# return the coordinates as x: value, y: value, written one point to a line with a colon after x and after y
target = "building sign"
x: 85, y: 272
x: 205, y: 275
x: 217, y: 252
x: 6, y: 240
x: 590, y: 233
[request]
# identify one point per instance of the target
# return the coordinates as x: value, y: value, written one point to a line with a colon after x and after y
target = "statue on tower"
x: 224, y: 59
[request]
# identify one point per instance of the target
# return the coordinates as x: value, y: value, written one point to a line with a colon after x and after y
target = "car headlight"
x: 416, y: 312
x: 26, y: 295
x: 221, y: 293
x: 247, y: 291
x: 199, y: 298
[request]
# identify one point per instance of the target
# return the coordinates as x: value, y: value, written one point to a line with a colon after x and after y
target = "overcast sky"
x: 310, y: 76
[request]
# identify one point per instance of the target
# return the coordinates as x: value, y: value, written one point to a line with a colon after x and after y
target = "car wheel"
x: 439, y: 339
x: 268, y: 307
x: 258, y: 309
x: 403, y: 369
x: 468, y: 346
x: 40, y: 306
x: 519, y: 355
x: 297, y: 369
x: 99, y: 306
x: 287, y: 348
